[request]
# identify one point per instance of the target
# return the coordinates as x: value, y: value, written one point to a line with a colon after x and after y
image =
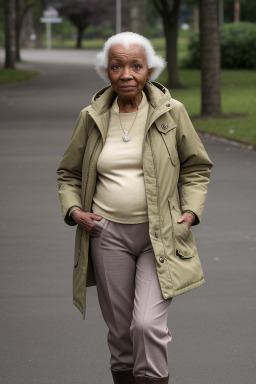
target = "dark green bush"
x: 193, y: 58
x: 238, y: 47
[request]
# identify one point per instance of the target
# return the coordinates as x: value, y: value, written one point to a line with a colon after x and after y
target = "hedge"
x: 238, y: 47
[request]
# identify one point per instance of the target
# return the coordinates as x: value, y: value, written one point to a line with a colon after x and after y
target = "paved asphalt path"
x: 43, y: 337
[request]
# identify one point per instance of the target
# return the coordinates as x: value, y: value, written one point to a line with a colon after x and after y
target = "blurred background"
x: 46, y: 77
x: 226, y: 55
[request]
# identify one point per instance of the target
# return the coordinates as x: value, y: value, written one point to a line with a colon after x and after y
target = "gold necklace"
x: 126, y: 137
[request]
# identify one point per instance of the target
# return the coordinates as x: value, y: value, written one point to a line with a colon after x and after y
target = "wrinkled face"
x: 128, y: 70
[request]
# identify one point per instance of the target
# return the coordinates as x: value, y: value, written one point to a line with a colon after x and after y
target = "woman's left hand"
x: 188, y: 217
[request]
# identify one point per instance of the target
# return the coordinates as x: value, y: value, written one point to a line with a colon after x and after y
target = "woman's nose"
x: 126, y: 75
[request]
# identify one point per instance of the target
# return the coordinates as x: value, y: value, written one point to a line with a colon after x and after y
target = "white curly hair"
x: 126, y: 39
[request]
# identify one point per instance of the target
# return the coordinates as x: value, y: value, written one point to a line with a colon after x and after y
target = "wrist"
x: 192, y: 214
x: 75, y: 213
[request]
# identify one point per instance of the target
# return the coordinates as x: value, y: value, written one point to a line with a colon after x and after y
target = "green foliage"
x: 64, y: 30
x: 154, y: 30
x: 193, y: 52
x: 238, y: 47
x: 98, y: 32
x: 154, y: 25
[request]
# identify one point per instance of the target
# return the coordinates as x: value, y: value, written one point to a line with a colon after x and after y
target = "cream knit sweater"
x: 120, y: 190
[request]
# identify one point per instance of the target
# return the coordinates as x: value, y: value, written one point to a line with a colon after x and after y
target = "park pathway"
x: 43, y: 337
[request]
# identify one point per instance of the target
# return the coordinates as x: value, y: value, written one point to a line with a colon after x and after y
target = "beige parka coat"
x: 176, y: 174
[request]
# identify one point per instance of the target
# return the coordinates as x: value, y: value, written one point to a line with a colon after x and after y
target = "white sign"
x: 50, y: 17
x: 51, y: 12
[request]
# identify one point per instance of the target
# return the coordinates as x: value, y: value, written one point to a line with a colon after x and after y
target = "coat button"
x: 168, y: 105
x: 156, y: 235
x: 161, y: 259
x: 164, y: 126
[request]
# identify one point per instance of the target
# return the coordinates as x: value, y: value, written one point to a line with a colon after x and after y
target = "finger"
x: 98, y: 224
x: 96, y: 217
x: 86, y: 225
x: 181, y: 219
x: 188, y: 224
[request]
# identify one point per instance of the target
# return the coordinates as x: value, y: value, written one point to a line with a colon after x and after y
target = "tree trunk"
x: 210, y: 58
x: 237, y: 11
x: 79, y: 40
x: 170, y: 17
x: 18, y: 58
x: 17, y: 30
x: 9, y: 33
x: 171, y: 37
x: 138, y: 16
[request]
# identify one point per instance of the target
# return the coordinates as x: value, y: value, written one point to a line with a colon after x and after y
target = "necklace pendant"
x: 126, y: 137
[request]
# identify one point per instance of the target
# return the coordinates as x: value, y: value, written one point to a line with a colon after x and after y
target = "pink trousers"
x: 130, y: 299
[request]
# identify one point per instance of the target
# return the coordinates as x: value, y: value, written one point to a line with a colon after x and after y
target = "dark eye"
x: 116, y: 66
x: 136, y: 66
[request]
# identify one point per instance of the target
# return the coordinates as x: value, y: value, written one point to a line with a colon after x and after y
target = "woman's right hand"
x: 86, y: 220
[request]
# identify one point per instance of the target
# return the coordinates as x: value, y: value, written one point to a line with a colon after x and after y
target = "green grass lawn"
x: 11, y: 76
x: 238, y: 97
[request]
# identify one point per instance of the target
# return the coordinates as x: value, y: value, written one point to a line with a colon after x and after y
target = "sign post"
x: 118, y: 16
x: 50, y: 16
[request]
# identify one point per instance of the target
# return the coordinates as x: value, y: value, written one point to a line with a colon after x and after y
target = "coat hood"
x: 156, y: 93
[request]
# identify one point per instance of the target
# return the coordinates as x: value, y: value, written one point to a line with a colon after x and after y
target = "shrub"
x: 193, y: 56
x: 238, y: 47
x: 92, y: 32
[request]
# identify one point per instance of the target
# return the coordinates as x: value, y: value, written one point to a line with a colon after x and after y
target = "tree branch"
x: 167, y: 10
x: 176, y: 6
x: 159, y: 9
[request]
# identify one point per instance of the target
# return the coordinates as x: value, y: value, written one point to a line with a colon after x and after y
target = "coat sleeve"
x: 195, y: 167
x: 70, y: 170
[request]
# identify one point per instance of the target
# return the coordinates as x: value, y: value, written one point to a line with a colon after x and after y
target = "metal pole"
x: 118, y: 16
x: 48, y: 35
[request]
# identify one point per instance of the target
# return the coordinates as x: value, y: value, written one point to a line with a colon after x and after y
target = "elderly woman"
x: 134, y: 179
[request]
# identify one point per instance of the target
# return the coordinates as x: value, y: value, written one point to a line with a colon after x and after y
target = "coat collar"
x: 158, y: 96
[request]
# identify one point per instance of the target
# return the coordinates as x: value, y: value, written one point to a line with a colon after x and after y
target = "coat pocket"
x: 170, y: 145
x: 100, y: 228
x: 183, y: 239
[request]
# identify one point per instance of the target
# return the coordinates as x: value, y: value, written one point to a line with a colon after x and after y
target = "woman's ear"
x: 107, y: 74
x: 150, y: 71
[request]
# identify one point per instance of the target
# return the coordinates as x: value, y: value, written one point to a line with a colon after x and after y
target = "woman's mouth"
x: 127, y: 87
